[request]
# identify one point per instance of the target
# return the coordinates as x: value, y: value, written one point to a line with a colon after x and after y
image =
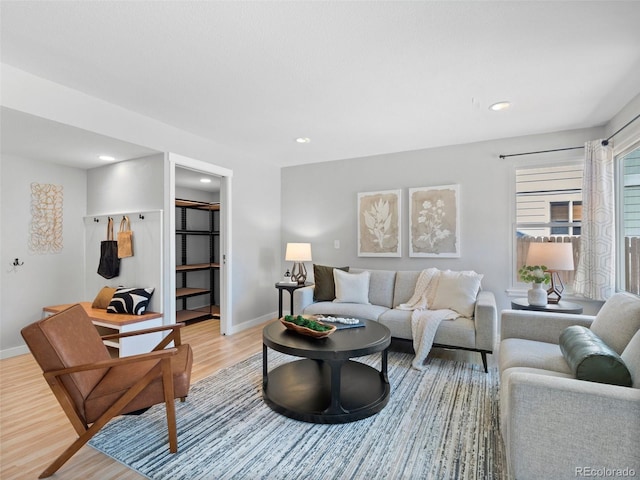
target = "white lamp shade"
x: 553, y: 255
x: 298, y: 252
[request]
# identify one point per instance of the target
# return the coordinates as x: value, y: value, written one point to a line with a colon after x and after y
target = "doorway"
x: 178, y: 168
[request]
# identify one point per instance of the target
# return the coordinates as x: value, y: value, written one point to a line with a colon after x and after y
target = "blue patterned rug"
x: 440, y: 423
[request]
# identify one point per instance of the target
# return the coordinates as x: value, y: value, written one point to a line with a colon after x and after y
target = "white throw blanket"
x: 424, y: 292
x: 425, y: 322
x: 424, y: 325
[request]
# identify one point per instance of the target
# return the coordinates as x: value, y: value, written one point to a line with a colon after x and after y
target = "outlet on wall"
x: 336, y: 244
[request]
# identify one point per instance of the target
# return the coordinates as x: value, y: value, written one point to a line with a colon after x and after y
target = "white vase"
x: 537, y: 295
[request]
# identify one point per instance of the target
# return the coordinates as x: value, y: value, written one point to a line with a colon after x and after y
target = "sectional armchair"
x: 560, y: 416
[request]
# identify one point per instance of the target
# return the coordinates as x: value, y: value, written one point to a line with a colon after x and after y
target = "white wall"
x: 631, y: 133
x: 256, y: 239
x: 319, y: 203
x: 143, y: 270
x: 44, y: 279
x: 256, y: 184
x: 134, y: 185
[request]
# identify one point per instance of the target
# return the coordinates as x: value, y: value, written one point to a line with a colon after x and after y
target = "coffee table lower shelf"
x: 302, y: 390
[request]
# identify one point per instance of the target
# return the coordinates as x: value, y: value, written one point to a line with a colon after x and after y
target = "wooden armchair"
x: 92, y: 387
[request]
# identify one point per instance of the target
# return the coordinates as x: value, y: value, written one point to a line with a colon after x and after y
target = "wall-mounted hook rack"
x: 17, y: 263
x: 141, y: 217
x: 97, y: 220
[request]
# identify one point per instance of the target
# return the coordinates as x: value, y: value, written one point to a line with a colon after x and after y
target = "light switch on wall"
x: 336, y: 244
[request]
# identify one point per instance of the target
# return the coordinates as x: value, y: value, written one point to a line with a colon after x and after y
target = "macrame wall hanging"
x: 46, y: 218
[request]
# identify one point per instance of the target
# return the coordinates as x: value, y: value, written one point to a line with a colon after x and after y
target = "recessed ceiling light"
x: 205, y: 180
x: 106, y: 158
x: 303, y: 140
x: 496, y: 107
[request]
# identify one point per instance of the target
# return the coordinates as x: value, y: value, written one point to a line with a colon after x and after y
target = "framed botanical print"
x: 379, y: 230
x: 434, y: 221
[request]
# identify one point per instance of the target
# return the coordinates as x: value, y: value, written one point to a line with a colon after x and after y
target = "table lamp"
x: 556, y: 256
x: 298, y: 253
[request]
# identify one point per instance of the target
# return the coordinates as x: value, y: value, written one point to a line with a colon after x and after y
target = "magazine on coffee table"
x: 341, y: 323
x: 342, y: 326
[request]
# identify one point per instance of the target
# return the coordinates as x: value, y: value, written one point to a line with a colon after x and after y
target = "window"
x: 548, y: 208
x: 566, y: 212
x: 629, y: 211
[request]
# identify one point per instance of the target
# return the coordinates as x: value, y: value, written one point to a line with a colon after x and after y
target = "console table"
x: 110, y: 323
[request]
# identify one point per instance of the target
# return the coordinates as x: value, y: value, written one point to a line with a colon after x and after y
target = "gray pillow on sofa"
x: 325, y: 287
x: 618, y: 320
x: 591, y: 359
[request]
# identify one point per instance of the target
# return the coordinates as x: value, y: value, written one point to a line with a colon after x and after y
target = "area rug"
x: 440, y: 423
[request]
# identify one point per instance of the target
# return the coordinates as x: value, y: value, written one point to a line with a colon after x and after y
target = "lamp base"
x: 299, y: 273
x: 554, y: 294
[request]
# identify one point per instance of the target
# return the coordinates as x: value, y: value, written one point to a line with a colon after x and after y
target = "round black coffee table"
x: 326, y: 386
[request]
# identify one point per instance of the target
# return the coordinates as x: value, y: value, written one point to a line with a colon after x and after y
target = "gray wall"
x: 44, y: 279
x: 319, y: 202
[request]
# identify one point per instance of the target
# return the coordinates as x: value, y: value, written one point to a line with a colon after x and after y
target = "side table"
x: 560, y: 307
x: 289, y: 287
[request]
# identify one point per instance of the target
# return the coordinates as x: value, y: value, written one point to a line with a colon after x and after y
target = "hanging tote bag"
x: 109, y: 266
x: 125, y: 239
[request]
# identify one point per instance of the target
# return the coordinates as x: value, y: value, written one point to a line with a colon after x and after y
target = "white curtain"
x: 595, y: 277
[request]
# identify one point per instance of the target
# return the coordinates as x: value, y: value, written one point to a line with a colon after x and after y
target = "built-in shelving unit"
x: 197, y: 220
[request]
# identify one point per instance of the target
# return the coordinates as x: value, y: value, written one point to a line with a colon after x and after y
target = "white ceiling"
x: 357, y: 78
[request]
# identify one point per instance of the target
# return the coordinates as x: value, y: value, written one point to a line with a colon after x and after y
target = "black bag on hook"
x: 109, y: 266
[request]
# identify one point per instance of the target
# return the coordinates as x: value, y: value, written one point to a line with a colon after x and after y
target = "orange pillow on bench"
x: 103, y: 298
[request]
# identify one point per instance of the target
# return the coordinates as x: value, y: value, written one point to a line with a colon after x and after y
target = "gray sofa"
x: 387, y: 289
x: 554, y: 425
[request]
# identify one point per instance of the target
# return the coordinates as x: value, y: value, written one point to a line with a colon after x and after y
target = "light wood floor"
x: 34, y: 430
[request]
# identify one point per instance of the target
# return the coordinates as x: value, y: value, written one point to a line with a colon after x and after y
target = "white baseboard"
x: 14, y: 351
x: 251, y: 323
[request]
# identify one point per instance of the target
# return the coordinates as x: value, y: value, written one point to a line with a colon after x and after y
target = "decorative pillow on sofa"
x: 103, y: 298
x: 133, y: 301
x: 325, y: 286
x: 618, y: 320
x: 351, y: 287
x: 591, y: 359
x: 457, y: 291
